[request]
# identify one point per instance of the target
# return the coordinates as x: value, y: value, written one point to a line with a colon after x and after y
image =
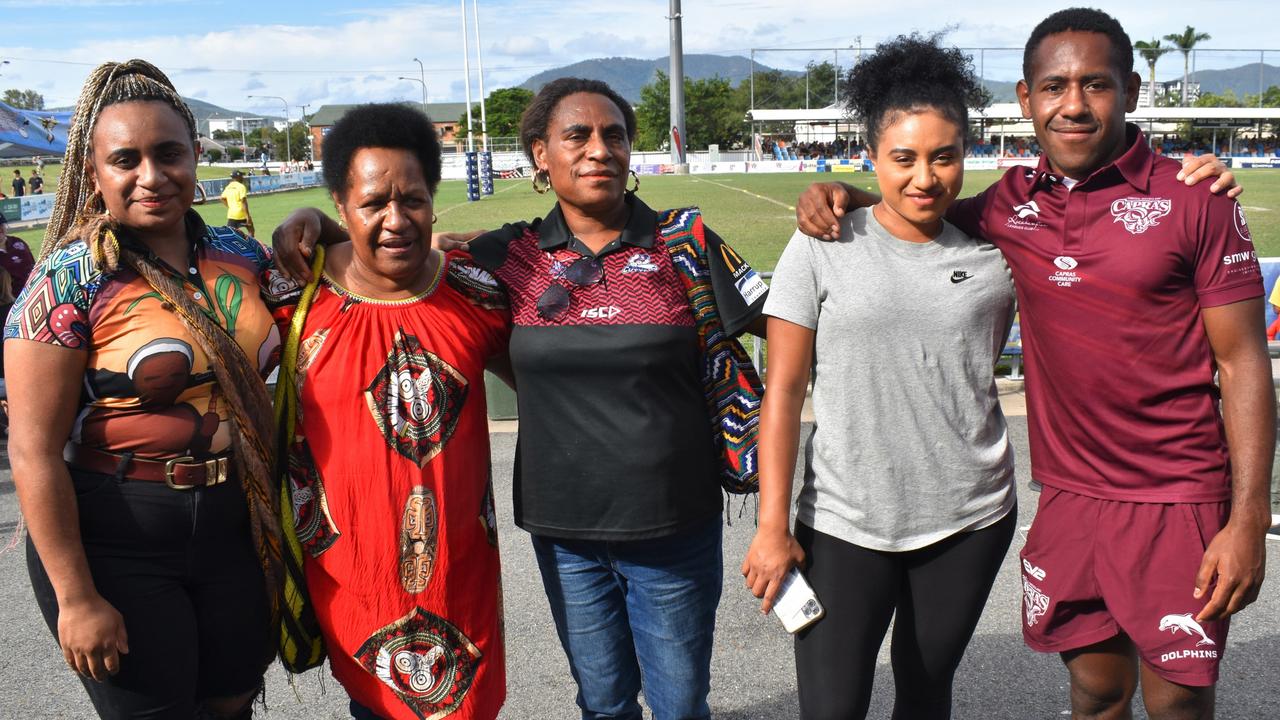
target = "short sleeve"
x: 483, y: 291
x: 970, y: 213
x: 1226, y: 264
x: 739, y: 290
x: 794, y: 290
x: 53, y: 308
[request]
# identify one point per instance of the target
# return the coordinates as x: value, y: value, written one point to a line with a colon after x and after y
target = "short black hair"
x: 380, y: 125
x: 911, y: 73
x: 1082, y: 20
x: 537, y: 117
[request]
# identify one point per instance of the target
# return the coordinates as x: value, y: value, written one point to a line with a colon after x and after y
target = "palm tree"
x: 1184, y: 42
x: 1151, y: 52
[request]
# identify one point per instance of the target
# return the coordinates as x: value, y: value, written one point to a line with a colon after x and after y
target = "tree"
x: 713, y: 114
x: 502, y: 111
x: 1151, y: 52
x: 215, y: 155
x: 820, y: 88
x: 23, y: 99
x: 1184, y: 42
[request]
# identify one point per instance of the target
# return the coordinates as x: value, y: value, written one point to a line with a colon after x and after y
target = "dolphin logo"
x: 1185, y: 623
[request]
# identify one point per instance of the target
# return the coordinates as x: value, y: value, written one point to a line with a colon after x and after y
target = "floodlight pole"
x: 678, y: 137
x: 287, y: 149
x: 424, y: 90
x: 466, y: 72
x: 484, y: 122
x: 422, y: 74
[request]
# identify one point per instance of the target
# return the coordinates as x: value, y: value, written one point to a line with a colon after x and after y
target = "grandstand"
x: 1002, y: 132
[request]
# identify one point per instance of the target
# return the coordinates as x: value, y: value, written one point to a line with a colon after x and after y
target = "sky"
x: 325, y: 51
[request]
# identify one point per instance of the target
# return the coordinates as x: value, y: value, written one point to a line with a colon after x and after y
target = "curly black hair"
x: 380, y: 125
x: 1081, y: 20
x: 537, y: 117
x: 912, y: 73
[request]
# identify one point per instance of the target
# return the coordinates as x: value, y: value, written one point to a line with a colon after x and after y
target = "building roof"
x: 327, y: 115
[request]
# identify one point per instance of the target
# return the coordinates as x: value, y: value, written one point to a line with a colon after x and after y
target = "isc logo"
x: 604, y: 312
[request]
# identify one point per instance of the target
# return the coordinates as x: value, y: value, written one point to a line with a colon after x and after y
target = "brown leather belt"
x: 181, y: 473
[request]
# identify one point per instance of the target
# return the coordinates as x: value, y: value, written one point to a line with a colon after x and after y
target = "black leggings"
x: 937, y: 592
x: 180, y: 567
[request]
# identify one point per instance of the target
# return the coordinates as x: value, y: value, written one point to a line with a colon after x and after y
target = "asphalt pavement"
x: 753, y: 672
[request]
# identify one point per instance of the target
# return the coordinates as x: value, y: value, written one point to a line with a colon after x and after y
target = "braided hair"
x: 78, y: 211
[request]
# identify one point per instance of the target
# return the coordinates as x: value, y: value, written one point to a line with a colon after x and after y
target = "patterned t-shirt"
x: 148, y: 387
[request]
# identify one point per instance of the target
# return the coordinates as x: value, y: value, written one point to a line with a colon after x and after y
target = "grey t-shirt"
x: 909, y: 444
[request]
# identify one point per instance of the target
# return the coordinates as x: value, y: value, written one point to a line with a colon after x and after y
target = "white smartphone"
x: 796, y: 605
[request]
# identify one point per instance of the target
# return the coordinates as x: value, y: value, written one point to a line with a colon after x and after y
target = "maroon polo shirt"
x: 1111, y: 276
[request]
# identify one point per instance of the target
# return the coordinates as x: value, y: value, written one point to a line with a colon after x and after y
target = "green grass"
x: 752, y: 212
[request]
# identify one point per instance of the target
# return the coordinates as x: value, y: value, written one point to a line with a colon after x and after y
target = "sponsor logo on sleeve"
x: 749, y: 283
x: 1242, y: 225
x: 1139, y: 215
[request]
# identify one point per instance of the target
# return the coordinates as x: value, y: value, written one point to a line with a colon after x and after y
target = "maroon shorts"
x: 1093, y: 569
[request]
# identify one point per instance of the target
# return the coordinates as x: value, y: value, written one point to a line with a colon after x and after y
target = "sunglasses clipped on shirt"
x: 554, y: 301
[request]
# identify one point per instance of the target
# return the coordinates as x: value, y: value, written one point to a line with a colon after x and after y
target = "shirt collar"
x: 1134, y: 165
x: 639, y: 231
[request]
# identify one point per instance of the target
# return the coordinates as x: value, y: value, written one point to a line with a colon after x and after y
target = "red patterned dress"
x: 393, y: 497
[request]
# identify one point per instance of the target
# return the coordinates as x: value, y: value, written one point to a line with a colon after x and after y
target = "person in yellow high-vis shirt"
x: 236, y: 198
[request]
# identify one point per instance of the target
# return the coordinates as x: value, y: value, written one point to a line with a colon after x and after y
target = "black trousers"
x: 935, y: 595
x: 180, y: 566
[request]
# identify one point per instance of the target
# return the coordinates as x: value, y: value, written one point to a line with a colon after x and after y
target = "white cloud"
x: 357, y: 53
x: 521, y: 46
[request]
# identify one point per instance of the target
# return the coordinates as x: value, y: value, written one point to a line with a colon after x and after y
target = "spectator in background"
x: 236, y: 197
x: 19, y: 185
x: 15, y: 257
x: 36, y: 183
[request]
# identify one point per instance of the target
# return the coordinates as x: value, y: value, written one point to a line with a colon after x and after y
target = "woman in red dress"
x: 389, y: 463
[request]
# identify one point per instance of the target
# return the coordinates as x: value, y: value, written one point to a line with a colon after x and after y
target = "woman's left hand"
x: 771, y: 555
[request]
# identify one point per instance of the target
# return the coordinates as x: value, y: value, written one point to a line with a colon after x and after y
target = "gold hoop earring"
x: 635, y: 177
x: 545, y: 177
x: 434, y: 219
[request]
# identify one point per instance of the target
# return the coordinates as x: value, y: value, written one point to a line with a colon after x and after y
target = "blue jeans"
x: 632, y: 609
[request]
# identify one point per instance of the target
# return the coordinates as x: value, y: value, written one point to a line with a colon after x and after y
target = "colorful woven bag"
x: 732, y: 387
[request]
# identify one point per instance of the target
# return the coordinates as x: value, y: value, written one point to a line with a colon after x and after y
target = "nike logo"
x: 960, y: 276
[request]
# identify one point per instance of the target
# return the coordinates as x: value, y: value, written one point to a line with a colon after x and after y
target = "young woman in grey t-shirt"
x: 907, y: 507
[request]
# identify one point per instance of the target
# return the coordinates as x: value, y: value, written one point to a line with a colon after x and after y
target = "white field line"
x: 512, y: 186
x: 746, y: 192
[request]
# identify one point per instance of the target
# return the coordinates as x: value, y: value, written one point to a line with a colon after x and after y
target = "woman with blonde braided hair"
x: 139, y: 344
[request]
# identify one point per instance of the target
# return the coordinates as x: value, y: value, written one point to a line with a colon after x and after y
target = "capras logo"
x: 1066, y: 263
x: 604, y: 312
x: 1140, y: 214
